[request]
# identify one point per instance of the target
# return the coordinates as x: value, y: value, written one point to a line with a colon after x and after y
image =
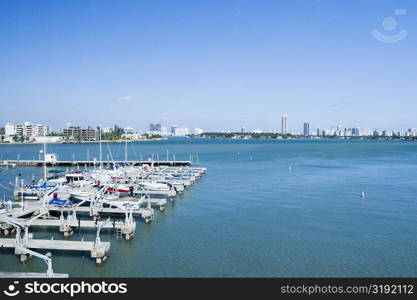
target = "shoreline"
x: 263, y: 138
x: 85, y: 142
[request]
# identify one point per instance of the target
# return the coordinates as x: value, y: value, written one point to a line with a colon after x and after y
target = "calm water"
x: 252, y: 217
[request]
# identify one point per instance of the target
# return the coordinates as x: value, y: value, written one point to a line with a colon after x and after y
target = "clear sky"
x: 210, y: 64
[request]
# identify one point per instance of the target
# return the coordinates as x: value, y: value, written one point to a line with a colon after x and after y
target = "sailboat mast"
x: 101, y: 158
x: 126, y: 151
x: 44, y: 159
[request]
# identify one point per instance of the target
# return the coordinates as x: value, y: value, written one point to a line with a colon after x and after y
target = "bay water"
x: 265, y: 208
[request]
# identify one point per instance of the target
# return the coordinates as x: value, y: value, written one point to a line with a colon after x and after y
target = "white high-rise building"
x: 9, y: 129
x: 198, y: 131
x: 27, y: 129
x: 284, y: 124
x: 181, y: 131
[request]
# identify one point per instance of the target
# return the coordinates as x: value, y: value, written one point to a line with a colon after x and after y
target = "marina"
x: 64, y: 200
x: 90, y: 163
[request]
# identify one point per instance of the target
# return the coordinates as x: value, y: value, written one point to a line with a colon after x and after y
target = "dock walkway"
x: 92, y: 163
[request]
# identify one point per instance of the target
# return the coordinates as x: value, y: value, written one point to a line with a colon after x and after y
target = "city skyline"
x: 176, y: 130
x: 212, y: 65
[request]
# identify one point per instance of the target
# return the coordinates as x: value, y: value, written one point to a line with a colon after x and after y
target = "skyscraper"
x: 284, y: 125
x: 306, y: 129
x: 155, y: 127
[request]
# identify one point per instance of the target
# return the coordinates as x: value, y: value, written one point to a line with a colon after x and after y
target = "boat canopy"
x: 59, y: 202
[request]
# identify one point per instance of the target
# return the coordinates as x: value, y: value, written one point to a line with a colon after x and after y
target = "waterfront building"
x: 387, y: 133
x: 306, y: 131
x: 257, y: 131
x: 80, y: 134
x: 272, y: 130
x: 356, y: 131
x: 9, y: 129
x: 106, y: 129
x: 180, y: 131
x: 173, y: 128
x: 366, y: 132
x: 284, y: 124
x: 132, y: 136
x: 28, y: 130
x: 198, y: 131
x: 129, y: 130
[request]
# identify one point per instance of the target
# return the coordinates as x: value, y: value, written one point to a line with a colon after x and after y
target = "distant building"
x: 28, y: 130
x: 387, y: 133
x: 356, y: 131
x: 272, y: 130
x: 180, y: 131
x: 173, y: 128
x: 284, y: 124
x: 129, y: 130
x: 105, y: 129
x: 366, y: 132
x: 257, y: 131
x: 198, y: 131
x: 164, y: 131
x: 9, y: 129
x: 155, y: 127
x: 80, y: 134
x: 306, y: 131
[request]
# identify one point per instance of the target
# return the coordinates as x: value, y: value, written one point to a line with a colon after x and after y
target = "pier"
x: 92, y: 163
x: 95, y: 212
x: 92, y: 201
x: 97, y: 250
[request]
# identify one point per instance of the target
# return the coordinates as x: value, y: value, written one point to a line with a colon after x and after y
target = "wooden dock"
x: 92, y: 163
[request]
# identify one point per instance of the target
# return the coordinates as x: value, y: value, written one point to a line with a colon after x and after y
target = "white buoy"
x: 362, y: 194
x: 251, y: 158
x: 290, y: 168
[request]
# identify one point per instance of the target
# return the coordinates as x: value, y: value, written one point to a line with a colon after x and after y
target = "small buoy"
x: 238, y: 153
x: 362, y: 194
x: 251, y: 158
x: 290, y: 168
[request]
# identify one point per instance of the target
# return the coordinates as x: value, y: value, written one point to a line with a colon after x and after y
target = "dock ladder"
x: 119, y: 234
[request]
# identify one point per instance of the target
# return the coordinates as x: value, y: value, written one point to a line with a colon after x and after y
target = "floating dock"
x: 92, y: 163
x: 97, y: 251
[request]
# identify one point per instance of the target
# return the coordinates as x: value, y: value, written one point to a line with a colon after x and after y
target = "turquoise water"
x: 250, y: 216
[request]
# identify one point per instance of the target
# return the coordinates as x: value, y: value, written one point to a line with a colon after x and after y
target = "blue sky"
x: 210, y: 64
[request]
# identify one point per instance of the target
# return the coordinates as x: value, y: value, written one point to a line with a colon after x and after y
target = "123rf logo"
x: 70, y: 289
x: 11, y: 290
